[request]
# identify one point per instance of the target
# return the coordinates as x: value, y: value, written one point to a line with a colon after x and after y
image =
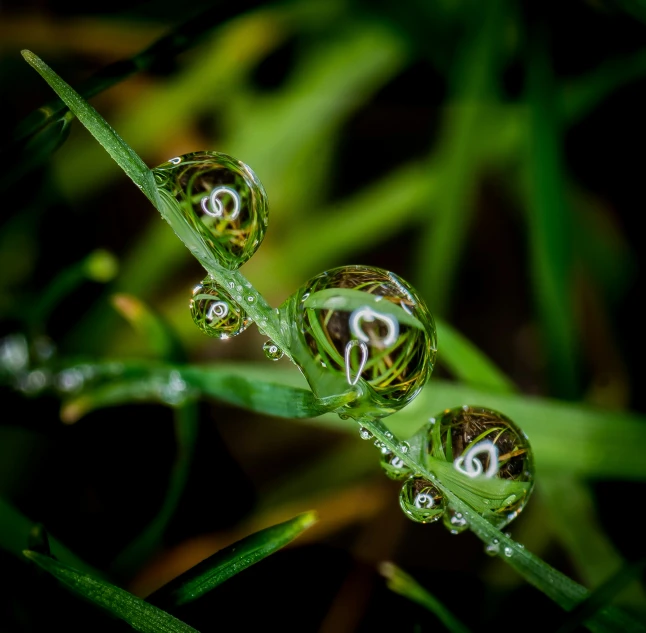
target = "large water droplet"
x: 367, y: 326
x: 272, y: 351
x: 222, y: 200
x: 489, y: 448
x: 215, y: 313
x: 421, y: 501
x: 394, y: 466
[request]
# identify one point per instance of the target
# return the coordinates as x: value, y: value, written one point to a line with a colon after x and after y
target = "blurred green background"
x: 485, y: 152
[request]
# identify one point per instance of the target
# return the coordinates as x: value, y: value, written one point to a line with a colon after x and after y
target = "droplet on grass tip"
x: 215, y: 313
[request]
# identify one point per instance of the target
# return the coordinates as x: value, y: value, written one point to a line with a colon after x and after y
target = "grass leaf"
x: 140, y: 615
x: 227, y: 562
x: 403, y: 584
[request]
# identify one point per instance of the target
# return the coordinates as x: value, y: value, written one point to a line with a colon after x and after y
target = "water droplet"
x: 421, y: 501
x: 272, y: 351
x: 493, y: 548
x: 174, y: 389
x: 455, y: 521
x: 44, y: 348
x: 484, y: 444
x: 215, y: 313
x: 404, y: 447
x: 250, y: 299
x: 70, y: 380
x: 14, y: 353
x: 388, y: 435
x: 351, y: 320
x: 221, y: 199
x: 365, y: 434
x: 508, y: 552
x: 394, y: 466
x: 34, y: 381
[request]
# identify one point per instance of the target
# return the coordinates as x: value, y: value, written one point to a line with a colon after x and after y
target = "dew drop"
x: 393, y: 466
x: 485, y: 444
x: 455, y: 522
x: 404, y: 447
x: 352, y: 321
x: 272, y: 351
x: 421, y: 501
x: 70, y: 380
x: 14, y: 353
x: 215, y: 313
x: 508, y: 552
x: 493, y: 548
x: 365, y: 434
x: 174, y: 390
x: 221, y: 199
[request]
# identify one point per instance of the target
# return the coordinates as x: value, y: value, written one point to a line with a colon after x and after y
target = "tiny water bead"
x: 272, y: 351
x: 455, y: 522
x: 368, y: 327
x: 222, y: 200
x: 421, y: 501
x: 489, y: 448
x: 215, y: 312
x: 394, y: 466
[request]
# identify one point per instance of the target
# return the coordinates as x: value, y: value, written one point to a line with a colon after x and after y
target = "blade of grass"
x: 227, y: 562
x: 575, y: 522
x: 120, y: 151
x: 592, y: 442
x: 549, y: 225
x: 459, y: 153
x: 15, y: 529
x: 403, y: 584
x: 140, y: 615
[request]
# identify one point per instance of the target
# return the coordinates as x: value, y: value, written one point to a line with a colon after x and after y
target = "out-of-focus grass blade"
x: 405, y: 585
x: 458, y: 157
x: 15, y: 529
x: 581, y: 95
x: 100, y: 266
x: 144, y: 545
x: 467, y: 363
x: 120, y: 151
x: 549, y: 225
x: 226, y: 563
x: 573, y: 516
x: 158, y: 334
x: 592, y: 442
x: 140, y: 615
x: 603, y: 596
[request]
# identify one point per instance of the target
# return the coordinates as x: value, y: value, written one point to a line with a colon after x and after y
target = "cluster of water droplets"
x: 492, y: 464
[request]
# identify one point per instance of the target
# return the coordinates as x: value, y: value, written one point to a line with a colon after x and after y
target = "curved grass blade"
x: 227, y: 562
x: 140, y: 615
x: 403, y: 584
x: 120, y: 151
x: 15, y: 532
x: 467, y: 363
x: 602, y: 596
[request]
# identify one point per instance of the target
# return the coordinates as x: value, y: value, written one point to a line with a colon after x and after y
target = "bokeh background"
x: 489, y: 153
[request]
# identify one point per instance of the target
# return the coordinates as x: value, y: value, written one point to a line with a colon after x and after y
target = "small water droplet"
x: 404, y: 447
x: 508, y: 552
x: 388, y: 435
x: 250, y: 299
x: 365, y: 434
x: 272, y: 351
x: 215, y: 313
x: 70, y: 380
x: 455, y: 522
x: 394, y: 466
x: 493, y: 548
x: 34, y: 381
x: 14, y: 353
x: 421, y: 501
x: 174, y: 389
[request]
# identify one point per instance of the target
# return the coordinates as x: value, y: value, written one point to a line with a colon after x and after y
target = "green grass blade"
x: 140, y: 615
x: 227, y: 562
x: 118, y: 149
x: 459, y: 156
x: 467, y: 363
x: 15, y: 529
x: 549, y: 224
x: 604, y: 595
x: 403, y: 584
